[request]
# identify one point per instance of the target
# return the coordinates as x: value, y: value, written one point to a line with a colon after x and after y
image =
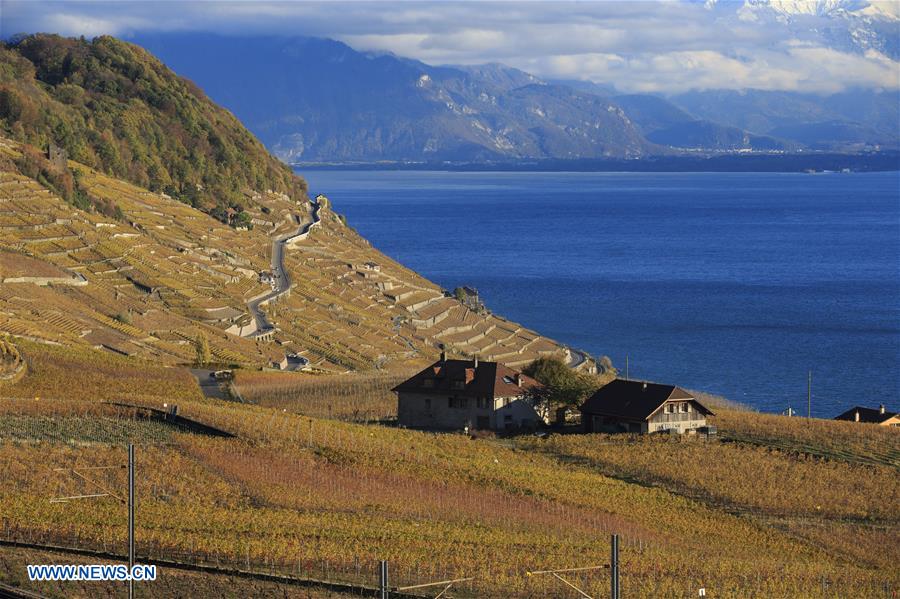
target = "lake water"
x: 736, y: 284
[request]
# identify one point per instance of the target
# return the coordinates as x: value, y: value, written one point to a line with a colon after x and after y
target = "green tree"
x: 116, y: 108
x: 563, y: 387
x: 201, y: 344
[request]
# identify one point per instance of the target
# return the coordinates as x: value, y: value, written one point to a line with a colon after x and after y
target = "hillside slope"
x: 149, y: 283
x: 114, y: 107
x: 122, y: 259
x: 316, y: 498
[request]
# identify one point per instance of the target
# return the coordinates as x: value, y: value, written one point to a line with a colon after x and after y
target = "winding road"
x: 282, y: 278
x: 283, y: 284
x: 576, y: 358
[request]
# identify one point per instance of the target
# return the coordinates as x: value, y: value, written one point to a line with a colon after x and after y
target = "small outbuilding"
x: 642, y: 407
x: 468, y: 394
x: 878, y: 416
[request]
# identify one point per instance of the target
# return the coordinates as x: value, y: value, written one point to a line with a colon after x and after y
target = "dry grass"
x: 364, y: 397
x: 830, y: 439
x: 56, y: 372
x: 14, y: 264
x: 740, y: 477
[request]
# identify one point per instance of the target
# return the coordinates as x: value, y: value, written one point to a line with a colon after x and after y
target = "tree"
x: 563, y: 387
x: 201, y: 344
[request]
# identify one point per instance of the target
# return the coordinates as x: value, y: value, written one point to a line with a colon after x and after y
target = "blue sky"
x: 665, y: 46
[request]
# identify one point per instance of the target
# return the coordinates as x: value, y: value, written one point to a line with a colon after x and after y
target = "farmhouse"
x: 871, y: 416
x: 641, y: 407
x: 455, y: 394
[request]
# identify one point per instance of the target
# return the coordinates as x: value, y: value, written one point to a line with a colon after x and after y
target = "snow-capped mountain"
x: 856, y: 26
x: 793, y: 8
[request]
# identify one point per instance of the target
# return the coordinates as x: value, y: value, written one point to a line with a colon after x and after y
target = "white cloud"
x: 663, y: 46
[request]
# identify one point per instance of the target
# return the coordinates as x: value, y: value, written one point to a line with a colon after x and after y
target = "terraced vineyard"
x: 147, y: 284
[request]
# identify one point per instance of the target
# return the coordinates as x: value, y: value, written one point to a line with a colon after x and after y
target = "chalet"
x: 871, y: 415
x: 459, y: 394
x: 640, y: 407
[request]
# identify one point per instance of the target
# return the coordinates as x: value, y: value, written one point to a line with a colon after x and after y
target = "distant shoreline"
x: 767, y: 163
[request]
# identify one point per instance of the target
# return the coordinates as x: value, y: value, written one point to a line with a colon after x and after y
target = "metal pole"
x: 130, y: 518
x: 809, y: 395
x: 383, y: 579
x: 626, y: 367
x: 614, y: 567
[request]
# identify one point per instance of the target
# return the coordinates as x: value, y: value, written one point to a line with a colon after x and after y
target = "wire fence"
x: 359, y: 576
x: 78, y: 423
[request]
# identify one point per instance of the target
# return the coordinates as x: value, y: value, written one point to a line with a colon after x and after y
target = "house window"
x: 482, y: 403
x: 457, y: 402
x: 459, y: 384
x: 685, y: 407
x: 428, y: 383
x: 668, y: 408
x: 428, y: 404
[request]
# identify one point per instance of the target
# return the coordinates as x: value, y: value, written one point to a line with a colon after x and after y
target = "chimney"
x: 443, y: 356
x: 644, y: 387
x: 856, y: 416
x: 476, y: 360
x: 518, y: 379
x: 881, y: 409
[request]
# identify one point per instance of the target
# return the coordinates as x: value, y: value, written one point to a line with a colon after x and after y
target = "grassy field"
x: 58, y: 372
x: 363, y: 397
x: 772, y: 509
x: 829, y: 439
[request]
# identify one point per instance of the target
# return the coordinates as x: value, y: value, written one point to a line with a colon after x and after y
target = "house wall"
x: 895, y: 421
x: 596, y: 423
x: 425, y: 410
x: 514, y: 412
x: 678, y: 421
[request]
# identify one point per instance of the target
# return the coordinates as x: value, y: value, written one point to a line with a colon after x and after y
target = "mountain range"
x: 319, y: 100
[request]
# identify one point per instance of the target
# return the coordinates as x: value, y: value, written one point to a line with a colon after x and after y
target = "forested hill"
x: 115, y: 107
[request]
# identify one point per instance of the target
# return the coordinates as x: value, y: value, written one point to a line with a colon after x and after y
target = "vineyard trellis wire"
x: 360, y: 575
x: 276, y: 449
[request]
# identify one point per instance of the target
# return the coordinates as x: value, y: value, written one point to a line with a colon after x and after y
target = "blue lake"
x: 736, y: 284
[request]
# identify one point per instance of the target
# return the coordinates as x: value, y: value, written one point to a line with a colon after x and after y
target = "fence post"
x: 130, y: 518
x: 614, y: 567
x: 383, y: 579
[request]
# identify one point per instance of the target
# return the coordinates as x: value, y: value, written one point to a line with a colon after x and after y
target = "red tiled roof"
x: 488, y: 379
